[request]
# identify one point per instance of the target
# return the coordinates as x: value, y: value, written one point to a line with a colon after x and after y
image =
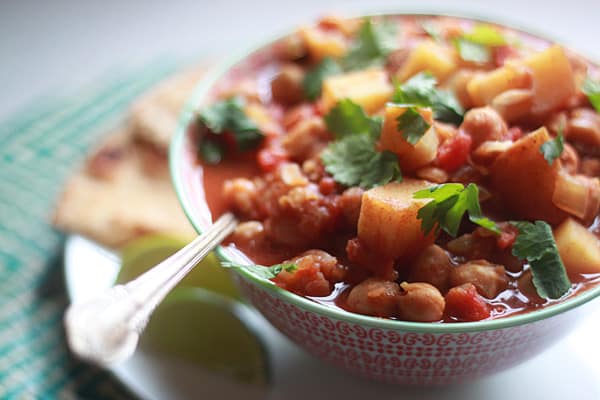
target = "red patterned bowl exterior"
x: 404, y: 357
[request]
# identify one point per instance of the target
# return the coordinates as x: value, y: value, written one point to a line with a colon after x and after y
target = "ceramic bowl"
x: 381, y: 349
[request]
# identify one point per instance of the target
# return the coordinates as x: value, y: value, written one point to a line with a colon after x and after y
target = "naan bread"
x: 124, y: 189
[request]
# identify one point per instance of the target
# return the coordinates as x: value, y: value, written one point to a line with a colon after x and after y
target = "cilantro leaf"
x: 471, y: 51
x: 353, y: 161
x: 372, y: 44
x: 412, y: 125
x: 314, y: 78
x: 553, y: 148
x: 347, y: 118
x: 449, y: 204
x: 228, y: 116
x: 421, y: 90
x: 261, y: 270
x: 475, y: 45
x: 211, y: 151
x: 591, y: 89
x: 535, y: 243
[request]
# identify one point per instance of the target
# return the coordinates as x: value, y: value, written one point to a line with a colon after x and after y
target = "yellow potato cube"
x: 579, y: 249
x: 369, y: 88
x: 483, y: 88
x: 411, y: 157
x: 525, y: 182
x: 388, y: 221
x: 429, y: 56
x: 321, y: 44
x: 553, y: 80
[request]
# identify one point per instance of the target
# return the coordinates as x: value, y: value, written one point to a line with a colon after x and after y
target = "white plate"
x: 569, y: 370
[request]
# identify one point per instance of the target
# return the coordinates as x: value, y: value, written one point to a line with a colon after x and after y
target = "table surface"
x: 56, y: 47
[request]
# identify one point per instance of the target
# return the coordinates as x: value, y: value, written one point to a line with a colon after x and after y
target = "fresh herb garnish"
x: 450, y: 202
x: 228, y: 116
x: 211, y: 151
x: 591, y: 89
x: 313, y: 79
x: 475, y: 45
x: 535, y: 243
x: 261, y: 270
x: 421, y: 90
x: 553, y: 148
x: 372, y: 44
x: 347, y: 118
x: 353, y: 161
x: 432, y: 30
x: 412, y: 125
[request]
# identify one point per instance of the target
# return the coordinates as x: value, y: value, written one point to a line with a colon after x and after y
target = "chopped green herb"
x: 229, y: 116
x: 211, y: 151
x: 372, y: 44
x: 591, y: 89
x: 353, y: 161
x: 421, y: 90
x: 412, y: 125
x: 475, y: 45
x: 471, y: 51
x: 432, y: 30
x: 553, y: 148
x: 535, y: 243
x: 486, y: 35
x: 261, y: 270
x: 347, y: 118
x: 313, y: 79
x: 449, y: 204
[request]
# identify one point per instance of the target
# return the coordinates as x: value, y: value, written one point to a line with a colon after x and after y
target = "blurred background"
x: 49, y: 47
x: 69, y: 72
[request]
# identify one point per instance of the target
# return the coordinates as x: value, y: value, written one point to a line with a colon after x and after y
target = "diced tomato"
x: 305, y: 281
x: 507, y: 237
x: 464, y: 304
x: 514, y: 133
x: 503, y: 53
x: 270, y: 157
x: 361, y: 255
x: 327, y: 185
x: 454, y: 152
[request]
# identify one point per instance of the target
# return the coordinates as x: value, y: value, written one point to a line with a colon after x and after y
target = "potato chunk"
x: 428, y: 56
x: 369, y: 88
x: 548, y: 73
x: 579, y: 248
x: 388, y: 221
x: 411, y: 157
x: 525, y: 182
x: 553, y: 81
x: 321, y: 44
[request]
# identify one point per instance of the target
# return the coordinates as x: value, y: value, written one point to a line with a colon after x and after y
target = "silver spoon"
x: 106, y: 328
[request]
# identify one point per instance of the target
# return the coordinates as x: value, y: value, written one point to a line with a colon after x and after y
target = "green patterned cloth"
x: 39, y: 147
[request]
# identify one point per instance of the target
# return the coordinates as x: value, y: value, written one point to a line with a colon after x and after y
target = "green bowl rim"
x: 177, y: 146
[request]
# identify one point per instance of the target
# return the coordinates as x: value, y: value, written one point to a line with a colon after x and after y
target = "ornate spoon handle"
x: 106, y: 328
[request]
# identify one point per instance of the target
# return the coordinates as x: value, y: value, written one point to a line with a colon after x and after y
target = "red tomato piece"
x: 454, y: 152
x: 269, y: 158
x: 507, y: 237
x: 463, y: 303
x: 514, y: 133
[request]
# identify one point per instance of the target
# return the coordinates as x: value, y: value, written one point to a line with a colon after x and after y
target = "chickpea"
x: 350, y: 202
x: 325, y: 262
x: 433, y: 266
x: 286, y: 87
x: 376, y: 297
x: 306, y: 138
x: 420, y: 302
x: 241, y: 194
x: 584, y: 127
x: 569, y: 159
x: 489, y: 279
x: 483, y: 124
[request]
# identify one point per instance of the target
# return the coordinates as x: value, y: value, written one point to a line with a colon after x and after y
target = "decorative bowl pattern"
x: 379, y: 349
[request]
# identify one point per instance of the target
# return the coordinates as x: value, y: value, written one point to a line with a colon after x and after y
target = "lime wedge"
x: 143, y: 253
x: 203, y: 327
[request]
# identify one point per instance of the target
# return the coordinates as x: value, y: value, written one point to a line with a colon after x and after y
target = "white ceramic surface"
x: 567, y: 370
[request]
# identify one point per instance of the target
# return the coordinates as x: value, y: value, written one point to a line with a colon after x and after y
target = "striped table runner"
x: 39, y: 147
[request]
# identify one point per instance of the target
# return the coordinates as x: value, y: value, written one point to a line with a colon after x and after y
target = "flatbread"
x: 124, y: 189
x: 153, y: 118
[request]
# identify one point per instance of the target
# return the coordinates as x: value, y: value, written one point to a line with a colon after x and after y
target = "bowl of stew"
x: 418, y: 194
